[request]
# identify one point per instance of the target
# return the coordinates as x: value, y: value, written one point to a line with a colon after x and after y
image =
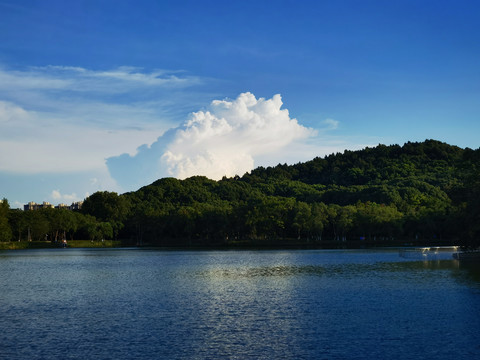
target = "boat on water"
x: 429, y: 252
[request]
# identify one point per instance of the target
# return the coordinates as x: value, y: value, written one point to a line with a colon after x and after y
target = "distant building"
x: 76, y: 205
x: 30, y: 206
x: 46, y: 205
x: 34, y: 206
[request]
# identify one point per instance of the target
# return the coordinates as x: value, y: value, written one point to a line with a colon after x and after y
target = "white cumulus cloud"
x: 224, y: 140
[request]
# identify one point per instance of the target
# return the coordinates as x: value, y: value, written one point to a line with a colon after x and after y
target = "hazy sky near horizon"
x: 112, y: 95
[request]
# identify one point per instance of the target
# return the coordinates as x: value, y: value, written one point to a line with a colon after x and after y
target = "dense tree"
x: 107, y: 207
x: 467, y: 198
x: 18, y: 224
x: 384, y: 192
x: 427, y: 191
x: 5, y: 229
x: 38, y: 225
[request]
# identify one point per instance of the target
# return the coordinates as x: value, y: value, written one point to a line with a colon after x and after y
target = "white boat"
x: 428, y: 253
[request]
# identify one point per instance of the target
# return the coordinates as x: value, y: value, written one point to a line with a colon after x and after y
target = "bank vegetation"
x: 418, y: 193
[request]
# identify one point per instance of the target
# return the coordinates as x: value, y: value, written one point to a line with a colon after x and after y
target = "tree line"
x: 426, y: 192
x: 50, y: 225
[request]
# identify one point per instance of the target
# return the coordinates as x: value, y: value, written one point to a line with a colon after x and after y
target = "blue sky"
x: 111, y: 95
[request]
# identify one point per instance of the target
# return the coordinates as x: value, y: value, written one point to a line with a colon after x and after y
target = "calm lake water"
x: 320, y: 304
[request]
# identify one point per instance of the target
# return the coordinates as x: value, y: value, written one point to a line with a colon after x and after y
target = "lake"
x: 295, y: 304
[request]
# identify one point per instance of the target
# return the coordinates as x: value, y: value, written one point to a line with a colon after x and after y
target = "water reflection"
x: 468, y: 272
x: 336, y: 270
x: 237, y: 304
x: 362, y: 308
x: 264, y: 271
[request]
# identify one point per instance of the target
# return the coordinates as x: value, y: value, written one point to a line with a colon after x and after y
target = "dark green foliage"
x: 381, y: 193
x: 107, y: 207
x: 425, y: 192
x: 430, y: 161
x: 467, y: 198
x: 56, y: 225
x: 5, y: 229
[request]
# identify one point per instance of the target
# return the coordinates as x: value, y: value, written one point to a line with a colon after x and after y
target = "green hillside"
x: 419, y: 193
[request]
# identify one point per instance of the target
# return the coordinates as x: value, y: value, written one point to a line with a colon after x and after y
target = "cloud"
x: 64, y: 119
x: 61, y: 127
x: 331, y: 124
x: 54, y: 187
x: 59, y: 124
x: 32, y: 142
x: 123, y: 79
x: 57, y: 196
x: 224, y: 140
x: 10, y: 112
x: 111, y: 98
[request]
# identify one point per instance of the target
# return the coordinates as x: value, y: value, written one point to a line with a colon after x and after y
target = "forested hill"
x: 415, y: 191
x: 413, y: 174
x: 422, y: 193
x: 430, y: 161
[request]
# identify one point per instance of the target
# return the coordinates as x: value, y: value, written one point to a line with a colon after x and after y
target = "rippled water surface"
x: 151, y: 304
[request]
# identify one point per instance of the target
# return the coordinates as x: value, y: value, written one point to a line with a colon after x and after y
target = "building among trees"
x: 46, y: 205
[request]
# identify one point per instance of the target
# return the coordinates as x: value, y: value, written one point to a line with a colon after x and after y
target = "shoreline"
x: 26, y: 245
x: 282, y: 245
